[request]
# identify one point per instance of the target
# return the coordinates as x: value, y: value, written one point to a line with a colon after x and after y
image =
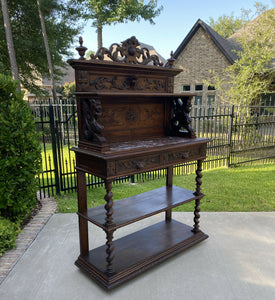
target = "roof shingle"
x: 229, y: 47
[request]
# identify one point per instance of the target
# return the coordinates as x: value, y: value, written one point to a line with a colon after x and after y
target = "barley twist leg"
x: 109, y: 223
x: 197, y: 193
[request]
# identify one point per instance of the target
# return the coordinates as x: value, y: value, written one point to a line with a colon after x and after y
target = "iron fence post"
x: 230, y: 136
x: 56, y: 173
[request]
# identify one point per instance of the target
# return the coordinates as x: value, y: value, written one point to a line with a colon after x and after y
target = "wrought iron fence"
x: 252, y: 134
x: 239, y: 135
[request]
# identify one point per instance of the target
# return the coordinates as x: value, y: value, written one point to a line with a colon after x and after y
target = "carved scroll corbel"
x: 180, y: 122
x: 92, y: 129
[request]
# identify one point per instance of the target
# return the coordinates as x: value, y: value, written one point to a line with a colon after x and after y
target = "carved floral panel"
x: 87, y: 81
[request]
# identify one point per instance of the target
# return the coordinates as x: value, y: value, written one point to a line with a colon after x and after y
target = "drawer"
x: 138, y: 164
x: 185, y: 155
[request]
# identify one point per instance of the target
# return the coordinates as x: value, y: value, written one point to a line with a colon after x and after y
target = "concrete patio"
x: 236, y: 262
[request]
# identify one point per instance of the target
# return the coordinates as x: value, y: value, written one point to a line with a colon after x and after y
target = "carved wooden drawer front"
x: 138, y: 164
x: 188, y: 154
x: 177, y: 156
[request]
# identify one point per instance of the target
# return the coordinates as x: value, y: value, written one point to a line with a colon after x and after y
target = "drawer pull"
x: 185, y: 155
x: 139, y: 165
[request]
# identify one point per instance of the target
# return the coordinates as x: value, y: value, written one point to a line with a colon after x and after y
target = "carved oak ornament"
x: 91, y: 110
x: 124, y: 83
x: 128, y: 52
x: 180, y: 117
x: 81, y: 49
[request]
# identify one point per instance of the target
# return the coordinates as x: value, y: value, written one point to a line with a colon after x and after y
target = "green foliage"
x: 253, y: 68
x: 105, y: 12
x: 111, y: 12
x: 242, y: 188
x: 226, y: 26
x: 245, y: 188
x: 67, y: 90
x: 252, y: 74
x: 8, y: 234
x: 28, y: 40
x: 20, y: 153
x: 88, y: 54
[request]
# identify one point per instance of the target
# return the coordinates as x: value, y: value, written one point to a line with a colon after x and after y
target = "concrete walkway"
x: 26, y: 236
x: 236, y: 262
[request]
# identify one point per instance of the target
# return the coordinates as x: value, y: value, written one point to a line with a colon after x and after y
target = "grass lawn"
x: 245, y: 188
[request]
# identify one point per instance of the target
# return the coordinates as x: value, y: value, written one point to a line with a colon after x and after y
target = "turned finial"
x: 171, y: 60
x: 81, y: 49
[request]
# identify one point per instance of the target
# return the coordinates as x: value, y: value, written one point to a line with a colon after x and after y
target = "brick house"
x: 201, y: 50
x: 45, y: 84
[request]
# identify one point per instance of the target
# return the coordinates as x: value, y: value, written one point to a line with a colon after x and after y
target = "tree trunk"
x: 14, y: 68
x: 99, y: 36
x: 44, y: 32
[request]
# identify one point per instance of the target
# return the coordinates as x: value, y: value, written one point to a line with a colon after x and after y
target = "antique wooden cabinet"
x: 131, y: 122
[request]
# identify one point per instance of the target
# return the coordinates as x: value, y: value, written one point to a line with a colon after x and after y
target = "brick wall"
x: 199, y: 55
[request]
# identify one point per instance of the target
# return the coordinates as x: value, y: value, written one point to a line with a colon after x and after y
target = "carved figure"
x: 91, y: 128
x: 181, y: 118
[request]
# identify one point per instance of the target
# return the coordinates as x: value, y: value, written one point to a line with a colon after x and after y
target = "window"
x: 198, y: 100
x: 198, y: 87
x: 210, y: 102
x: 211, y: 99
x: 197, y: 110
x: 186, y: 88
x: 211, y: 88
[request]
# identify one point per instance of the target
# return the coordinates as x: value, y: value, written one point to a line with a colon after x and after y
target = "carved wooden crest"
x: 128, y: 52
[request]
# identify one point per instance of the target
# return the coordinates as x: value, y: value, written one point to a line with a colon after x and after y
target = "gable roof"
x: 227, y: 47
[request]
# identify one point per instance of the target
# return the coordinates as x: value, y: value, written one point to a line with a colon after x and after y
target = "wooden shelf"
x: 141, y: 206
x: 139, y: 251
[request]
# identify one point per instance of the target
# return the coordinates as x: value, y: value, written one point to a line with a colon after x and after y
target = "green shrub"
x: 20, y: 153
x: 8, y: 234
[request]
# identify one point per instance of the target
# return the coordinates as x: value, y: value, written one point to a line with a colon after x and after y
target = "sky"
x: 171, y: 27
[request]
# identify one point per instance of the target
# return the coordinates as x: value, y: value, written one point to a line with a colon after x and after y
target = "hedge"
x: 20, y: 153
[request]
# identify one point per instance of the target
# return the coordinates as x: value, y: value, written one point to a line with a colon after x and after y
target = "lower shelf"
x: 139, y: 251
x: 140, y: 206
